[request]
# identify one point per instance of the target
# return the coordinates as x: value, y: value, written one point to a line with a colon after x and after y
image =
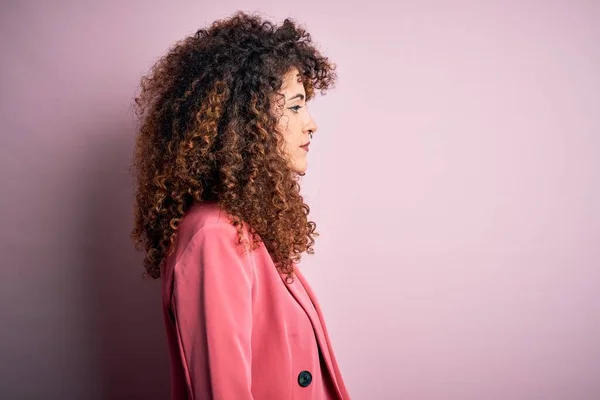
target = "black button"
x: 304, y: 379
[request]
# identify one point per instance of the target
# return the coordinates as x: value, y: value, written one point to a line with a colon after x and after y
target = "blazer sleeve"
x: 212, y: 306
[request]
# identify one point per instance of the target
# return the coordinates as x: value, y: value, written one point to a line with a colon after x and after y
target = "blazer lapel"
x: 310, y: 305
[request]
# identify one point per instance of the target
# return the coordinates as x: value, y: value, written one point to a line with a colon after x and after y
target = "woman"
x: 223, y: 139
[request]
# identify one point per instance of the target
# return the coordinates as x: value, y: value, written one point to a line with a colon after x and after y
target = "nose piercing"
x: 310, y: 133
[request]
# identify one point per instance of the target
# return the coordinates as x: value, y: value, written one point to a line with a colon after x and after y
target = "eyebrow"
x: 298, y: 96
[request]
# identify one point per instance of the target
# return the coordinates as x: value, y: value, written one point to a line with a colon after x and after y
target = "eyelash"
x: 295, y: 109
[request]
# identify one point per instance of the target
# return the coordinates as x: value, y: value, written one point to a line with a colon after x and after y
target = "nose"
x: 310, y: 126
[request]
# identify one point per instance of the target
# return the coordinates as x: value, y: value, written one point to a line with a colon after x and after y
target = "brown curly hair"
x: 208, y: 133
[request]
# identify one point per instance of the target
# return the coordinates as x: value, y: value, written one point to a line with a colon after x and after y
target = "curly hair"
x: 208, y: 133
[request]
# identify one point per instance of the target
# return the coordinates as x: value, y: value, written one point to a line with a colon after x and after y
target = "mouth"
x: 305, y: 146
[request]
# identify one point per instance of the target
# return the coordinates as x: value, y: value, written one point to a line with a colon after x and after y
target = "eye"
x: 295, y: 108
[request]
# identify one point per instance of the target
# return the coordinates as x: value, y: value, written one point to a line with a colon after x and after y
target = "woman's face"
x: 295, y: 122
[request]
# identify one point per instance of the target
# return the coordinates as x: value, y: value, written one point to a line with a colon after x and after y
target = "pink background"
x: 455, y: 180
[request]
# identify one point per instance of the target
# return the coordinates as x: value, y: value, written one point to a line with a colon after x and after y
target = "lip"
x: 305, y: 146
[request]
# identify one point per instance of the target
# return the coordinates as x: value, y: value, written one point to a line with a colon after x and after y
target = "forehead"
x: 292, y: 82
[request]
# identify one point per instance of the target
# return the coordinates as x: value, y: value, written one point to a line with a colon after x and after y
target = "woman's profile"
x: 223, y: 139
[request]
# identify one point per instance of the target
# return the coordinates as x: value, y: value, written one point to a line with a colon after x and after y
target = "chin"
x: 300, y: 168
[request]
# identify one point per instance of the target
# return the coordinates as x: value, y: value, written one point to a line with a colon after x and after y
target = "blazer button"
x: 304, y: 379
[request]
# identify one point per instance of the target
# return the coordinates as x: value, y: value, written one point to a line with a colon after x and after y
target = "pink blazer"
x: 236, y: 330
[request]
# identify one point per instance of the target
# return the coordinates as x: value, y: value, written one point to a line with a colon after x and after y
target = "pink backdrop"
x: 455, y: 181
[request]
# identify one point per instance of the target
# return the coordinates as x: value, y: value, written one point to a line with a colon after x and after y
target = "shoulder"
x: 204, y: 214
x: 206, y: 225
x: 208, y: 247
x: 204, y: 217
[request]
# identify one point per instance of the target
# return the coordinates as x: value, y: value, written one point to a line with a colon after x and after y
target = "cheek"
x: 284, y: 123
x: 289, y: 132
x: 288, y: 143
x: 291, y: 146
